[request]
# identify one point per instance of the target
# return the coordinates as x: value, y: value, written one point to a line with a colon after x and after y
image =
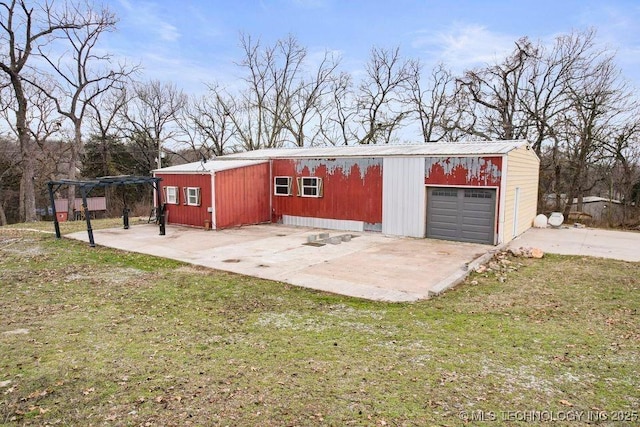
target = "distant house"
x: 483, y: 192
x: 599, y: 209
x: 95, y: 205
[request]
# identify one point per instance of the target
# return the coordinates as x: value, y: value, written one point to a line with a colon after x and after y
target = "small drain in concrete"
x: 315, y: 244
x: 231, y: 260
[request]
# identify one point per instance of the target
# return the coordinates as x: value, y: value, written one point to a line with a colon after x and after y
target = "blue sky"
x: 191, y: 42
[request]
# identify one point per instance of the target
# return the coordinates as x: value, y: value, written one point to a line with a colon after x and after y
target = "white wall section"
x: 332, y: 224
x: 403, y: 196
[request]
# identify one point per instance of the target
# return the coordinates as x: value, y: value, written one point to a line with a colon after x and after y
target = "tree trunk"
x: 76, y: 147
x: 557, y: 171
x: 27, y: 191
x: 574, y: 190
x: 3, y: 215
x: 21, y: 199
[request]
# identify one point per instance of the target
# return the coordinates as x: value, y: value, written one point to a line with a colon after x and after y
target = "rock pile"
x: 526, y: 252
x: 500, y: 265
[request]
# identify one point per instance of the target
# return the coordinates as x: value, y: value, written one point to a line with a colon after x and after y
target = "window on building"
x: 282, y: 186
x: 309, y: 186
x: 192, y: 196
x: 478, y: 193
x: 443, y: 192
x: 171, y: 195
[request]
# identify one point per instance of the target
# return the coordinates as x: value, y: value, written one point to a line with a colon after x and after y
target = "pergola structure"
x: 86, y: 186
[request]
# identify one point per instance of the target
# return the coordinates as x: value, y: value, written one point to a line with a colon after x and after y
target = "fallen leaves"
x: 566, y: 403
x: 36, y: 394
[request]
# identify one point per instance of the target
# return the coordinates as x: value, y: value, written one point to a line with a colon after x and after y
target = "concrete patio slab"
x: 370, y: 265
x: 622, y: 245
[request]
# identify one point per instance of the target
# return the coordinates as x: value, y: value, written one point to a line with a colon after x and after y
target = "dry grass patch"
x: 104, y: 337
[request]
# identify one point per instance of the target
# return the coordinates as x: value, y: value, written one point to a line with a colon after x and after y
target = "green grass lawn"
x: 103, y: 337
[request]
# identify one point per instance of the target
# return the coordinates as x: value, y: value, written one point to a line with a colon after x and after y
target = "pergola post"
x: 85, y: 210
x: 56, y: 224
x: 160, y: 208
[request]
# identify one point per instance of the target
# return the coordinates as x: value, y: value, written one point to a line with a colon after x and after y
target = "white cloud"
x: 126, y: 4
x: 145, y: 18
x: 167, y: 32
x: 462, y: 46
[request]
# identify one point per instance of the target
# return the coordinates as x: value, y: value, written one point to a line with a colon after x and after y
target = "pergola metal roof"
x: 107, y: 181
x: 86, y: 185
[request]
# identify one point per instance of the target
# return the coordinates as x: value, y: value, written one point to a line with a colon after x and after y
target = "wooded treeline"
x: 68, y: 109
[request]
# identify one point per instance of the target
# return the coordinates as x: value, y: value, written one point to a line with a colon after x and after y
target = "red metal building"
x: 476, y: 192
x: 216, y: 194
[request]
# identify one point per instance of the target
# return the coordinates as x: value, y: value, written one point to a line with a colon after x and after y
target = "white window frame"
x: 172, y: 195
x: 316, y: 187
x: 192, y: 196
x: 288, y: 187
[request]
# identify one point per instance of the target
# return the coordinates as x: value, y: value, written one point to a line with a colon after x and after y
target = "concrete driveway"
x: 370, y: 265
x: 622, y: 245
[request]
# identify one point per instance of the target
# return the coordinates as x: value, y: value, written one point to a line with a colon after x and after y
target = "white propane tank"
x: 540, y: 221
x: 556, y: 219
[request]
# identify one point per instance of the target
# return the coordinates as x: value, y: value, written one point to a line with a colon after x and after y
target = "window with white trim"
x: 282, y: 186
x: 309, y: 186
x: 192, y: 196
x: 171, y: 195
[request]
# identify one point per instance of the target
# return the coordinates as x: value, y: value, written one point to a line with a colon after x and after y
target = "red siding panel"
x: 352, y: 189
x: 475, y: 171
x: 242, y: 196
x: 181, y: 213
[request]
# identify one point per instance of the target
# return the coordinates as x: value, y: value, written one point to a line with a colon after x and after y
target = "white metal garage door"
x: 461, y: 214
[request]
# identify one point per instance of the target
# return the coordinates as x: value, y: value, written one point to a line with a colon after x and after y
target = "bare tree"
x: 599, y: 99
x: 623, y: 150
x: 9, y: 176
x: 337, y: 118
x: 259, y: 114
x: 149, y: 120
x: 494, y: 91
x: 382, y: 95
x: 87, y: 76
x: 206, y: 125
x: 434, y: 104
x: 307, y: 102
x: 543, y: 94
x: 23, y: 29
x: 44, y: 124
x: 104, y: 111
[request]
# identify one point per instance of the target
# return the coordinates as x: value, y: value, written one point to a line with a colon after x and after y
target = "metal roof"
x: 105, y: 181
x: 387, y: 150
x: 594, y: 199
x: 209, y: 166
